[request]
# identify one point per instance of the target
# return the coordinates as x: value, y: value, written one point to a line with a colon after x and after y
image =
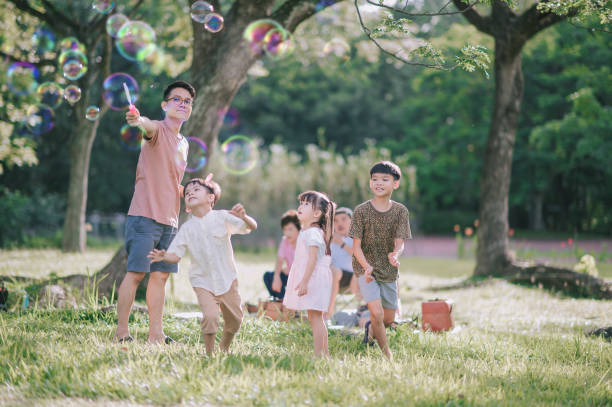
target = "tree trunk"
x: 74, y: 238
x: 493, y: 254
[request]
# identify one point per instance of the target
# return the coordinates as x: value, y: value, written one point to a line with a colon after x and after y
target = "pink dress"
x: 320, y: 283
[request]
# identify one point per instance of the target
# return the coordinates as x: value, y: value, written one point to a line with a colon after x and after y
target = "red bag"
x: 437, y: 315
x: 275, y: 310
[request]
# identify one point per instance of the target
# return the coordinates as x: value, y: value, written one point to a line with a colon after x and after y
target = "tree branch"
x: 52, y: 17
x: 292, y: 12
x: 440, y: 12
x: 532, y: 21
x: 368, y: 34
x: 483, y: 24
x: 39, y: 64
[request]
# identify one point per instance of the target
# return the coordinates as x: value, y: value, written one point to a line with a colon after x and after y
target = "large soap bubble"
x: 22, y: 78
x: 131, y: 137
x: 267, y: 36
x: 199, y: 11
x: 114, y: 24
x: 43, y: 40
x: 50, y: 94
x: 239, y: 154
x: 114, y: 94
x: 103, y: 6
x: 39, y: 119
x: 73, y: 64
x: 72, y: 94
x: 135, y: 40
x: 213, y: 22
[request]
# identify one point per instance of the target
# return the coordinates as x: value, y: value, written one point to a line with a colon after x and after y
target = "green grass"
x: 514, y: 346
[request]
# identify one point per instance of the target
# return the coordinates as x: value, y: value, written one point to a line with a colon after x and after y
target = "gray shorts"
x: 143, y: 235
x: 376, y: 290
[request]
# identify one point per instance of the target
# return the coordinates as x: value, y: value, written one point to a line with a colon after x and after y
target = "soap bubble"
x: 267, y: 36
x: 239, y: 154
x: 196, y: 157
x: 50, y: 94
x: 131, y: 137
x: 114, y: 24
x: 43, y: 40
x: 22, y: 78
x: 71, y: 43
x: 72, y: 94
x: 199, y: 11
x: 103, y: 6
x: 73, y: 64
x: 337, y: 48
x: 135, y: 40
x: 213, y: 22
x: 92, y: 113
x: 39, y: 119
x: 230, y: 117
x: 113, y: 93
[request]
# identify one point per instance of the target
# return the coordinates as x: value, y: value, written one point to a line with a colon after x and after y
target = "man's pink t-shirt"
x: 160, y: 169
x: 286, y: 251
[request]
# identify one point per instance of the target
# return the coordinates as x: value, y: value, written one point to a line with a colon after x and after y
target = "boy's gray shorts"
x: 375, y: 290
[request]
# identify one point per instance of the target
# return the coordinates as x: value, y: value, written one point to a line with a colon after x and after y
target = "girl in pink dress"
x: 310, y: 279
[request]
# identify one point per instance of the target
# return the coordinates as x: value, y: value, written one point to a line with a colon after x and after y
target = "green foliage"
x: 587, y: 265
x: 32, y: 220
x: 474, y: 57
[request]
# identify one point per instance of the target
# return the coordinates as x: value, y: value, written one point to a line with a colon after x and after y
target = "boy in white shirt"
x: 213, y: 271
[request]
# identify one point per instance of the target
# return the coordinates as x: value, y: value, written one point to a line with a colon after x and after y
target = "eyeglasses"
x: 178, y: 100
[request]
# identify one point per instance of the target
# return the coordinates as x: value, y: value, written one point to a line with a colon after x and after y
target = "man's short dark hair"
x: 386, y: 167
x: 290, y: 217
x: 180, y: 84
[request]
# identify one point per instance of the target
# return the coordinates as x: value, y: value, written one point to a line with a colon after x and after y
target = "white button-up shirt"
x: 208, y: 241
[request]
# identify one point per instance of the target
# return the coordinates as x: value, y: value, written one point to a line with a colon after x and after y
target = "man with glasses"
x: 153, y: 215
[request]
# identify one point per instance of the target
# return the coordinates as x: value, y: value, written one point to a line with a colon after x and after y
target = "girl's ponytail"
x: 329, y: 230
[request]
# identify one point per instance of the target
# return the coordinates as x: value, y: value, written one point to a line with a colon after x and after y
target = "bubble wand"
x: 129, y: 98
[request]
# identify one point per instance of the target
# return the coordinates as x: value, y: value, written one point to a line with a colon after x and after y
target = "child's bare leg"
x: 156, y: 291
x: 319, y: 333
x: 209, y: 343
x: 226, y: 341
x: 377, y: 324
x: 125, y: 300
x: 337, y: 275
x: 354, y: 287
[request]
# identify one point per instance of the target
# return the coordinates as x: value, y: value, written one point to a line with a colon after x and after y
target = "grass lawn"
x: 512, y: 346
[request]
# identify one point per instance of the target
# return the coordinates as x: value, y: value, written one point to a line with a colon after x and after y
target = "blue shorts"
x: 376, y: 290
x: 143, y: 235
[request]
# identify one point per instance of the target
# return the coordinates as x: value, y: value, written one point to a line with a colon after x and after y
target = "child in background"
x: 379, y: 228
x: 276, y: 280
x: 310, y: 279
x: 342, y: 257
x: 206, y: 235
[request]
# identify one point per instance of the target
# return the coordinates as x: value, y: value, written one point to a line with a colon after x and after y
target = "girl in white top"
x: 310, y: 279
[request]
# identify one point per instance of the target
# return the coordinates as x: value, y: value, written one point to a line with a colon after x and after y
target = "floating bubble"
x: 50, y: 94
x: 337, y: 48
x: 230, y: 117
x: 135, y: 40
x: 73, y: 64
x: 323, y: 4
x: 239, y: 154
x: 197, y: 155
x: 267, y: 36
x: 277, y: 42
x: 22, y: 78
x: 213, y: 22
x: 71, y: 43
x: 131, y: 137
x: 199, y: 11
x: 72, y: 94
x: 103, y: 6
x: 92, y: 113
x: 43, y: 40
x: 39, y: 119
x: 114, y: 24
x: 113, y: 93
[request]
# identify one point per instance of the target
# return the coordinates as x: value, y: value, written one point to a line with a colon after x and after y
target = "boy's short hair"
x: 212, y: 187
x: 180, y: 84
x: 346, y: 211
x: 386, y: 167
x: 290, y: 217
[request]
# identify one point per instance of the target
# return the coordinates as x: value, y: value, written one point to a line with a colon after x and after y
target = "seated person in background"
x: 342, y: 257
x: 276, y: 280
